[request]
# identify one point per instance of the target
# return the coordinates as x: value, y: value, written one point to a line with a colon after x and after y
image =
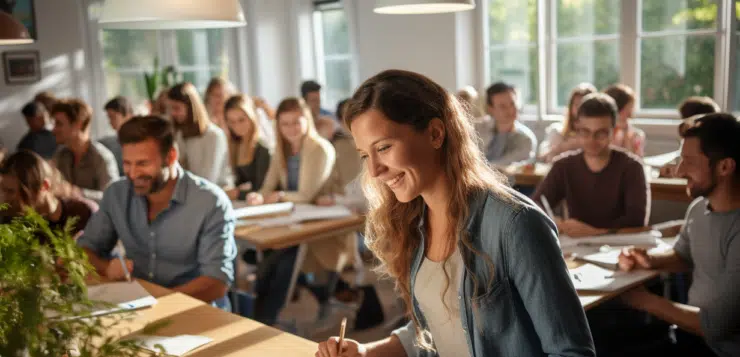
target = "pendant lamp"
x: 422, y: 6
x: 171, y: 14
x: 12, y: 32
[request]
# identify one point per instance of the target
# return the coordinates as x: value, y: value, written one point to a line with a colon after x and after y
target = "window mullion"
x: 723, y: 55
x: 629, y: 61
x: 542, y: 59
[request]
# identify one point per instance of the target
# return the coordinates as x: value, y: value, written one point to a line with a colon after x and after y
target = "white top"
x: 207, y: 155
x: 444, y: 322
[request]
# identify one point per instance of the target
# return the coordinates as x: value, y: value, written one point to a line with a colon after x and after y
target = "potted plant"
x: 163, y: 78
x: 43, y: 291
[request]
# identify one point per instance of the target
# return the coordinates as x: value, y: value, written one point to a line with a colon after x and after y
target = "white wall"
x: 64, y: 64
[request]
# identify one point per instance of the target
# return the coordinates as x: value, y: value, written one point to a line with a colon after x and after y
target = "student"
x: 299, y: 172
x: 477, y: 264
x: 26, y: 182
x: 708, y: 245
x: 504, y: 139
x: 248, y: 155
x: 469, y: 97
x: 311, y: 93
x: 159, y: 107
x: 47, y: 99
x: 266, y: 119
x: 85, y: 164
x: 177, y: 228
x: 561, y: 137
x: 690, y: 109
x: 625, y: 134
x: 604, y: 187
x: 118, y: 111
x: 203, y: 146
x: 217, y: 92
x: 39, y: 139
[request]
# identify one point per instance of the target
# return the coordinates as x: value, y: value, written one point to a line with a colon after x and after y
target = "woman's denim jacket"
x: 531, y: 308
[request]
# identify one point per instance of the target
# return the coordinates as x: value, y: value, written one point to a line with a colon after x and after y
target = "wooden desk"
x: 232, y: 335
x: 290, y: 236
x: 589, y: 300
x: 669, y: 189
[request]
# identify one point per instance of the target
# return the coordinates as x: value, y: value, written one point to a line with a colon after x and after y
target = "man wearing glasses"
x: 605, y: 188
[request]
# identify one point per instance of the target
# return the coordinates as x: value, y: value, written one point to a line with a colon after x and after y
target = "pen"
x: 125, y: 270
x: 342, y: 329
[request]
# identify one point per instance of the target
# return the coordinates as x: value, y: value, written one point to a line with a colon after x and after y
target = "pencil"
x: 342, y: 329
x: 125, y: 270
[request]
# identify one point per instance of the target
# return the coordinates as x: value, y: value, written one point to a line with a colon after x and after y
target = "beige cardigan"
x: 317, y: 162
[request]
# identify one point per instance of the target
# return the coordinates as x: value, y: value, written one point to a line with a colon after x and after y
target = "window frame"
x: 630, y: 38
x: 321, y: 57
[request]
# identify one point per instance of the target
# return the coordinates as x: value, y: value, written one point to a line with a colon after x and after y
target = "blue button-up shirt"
x: 192, y: 237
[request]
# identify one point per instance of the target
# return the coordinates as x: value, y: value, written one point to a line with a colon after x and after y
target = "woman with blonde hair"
x: 248, y: 155
x: 202, y: 145
x: 477, y: 264
x: 561, y: 137
x: 218, y: 90
x: 300, y: 171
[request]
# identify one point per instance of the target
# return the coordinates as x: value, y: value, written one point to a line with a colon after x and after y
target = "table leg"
x: 300, y: 256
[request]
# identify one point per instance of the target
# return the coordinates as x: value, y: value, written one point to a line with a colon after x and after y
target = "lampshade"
x: 171, y: 14
x: 12, y: 32
x: 422, y: 6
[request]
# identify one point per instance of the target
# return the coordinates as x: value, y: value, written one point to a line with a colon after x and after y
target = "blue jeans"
x: 222, y: 303
x: 273, y: 282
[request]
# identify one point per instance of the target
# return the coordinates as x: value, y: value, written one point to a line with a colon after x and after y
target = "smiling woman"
x: 443, y: 224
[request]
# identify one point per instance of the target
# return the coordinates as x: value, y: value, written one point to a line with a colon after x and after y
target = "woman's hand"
x: 350, y: 348
x: 255, y: 199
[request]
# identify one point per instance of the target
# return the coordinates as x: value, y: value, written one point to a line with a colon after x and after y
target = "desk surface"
x: 589, y: 300
x: 288, y: 236
x: 232, y: 335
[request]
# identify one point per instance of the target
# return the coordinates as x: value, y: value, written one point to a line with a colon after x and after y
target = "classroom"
x: 362, y: 178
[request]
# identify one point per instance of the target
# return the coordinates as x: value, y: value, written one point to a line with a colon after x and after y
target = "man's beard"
x: 156, y: 183
x: 697, y: 192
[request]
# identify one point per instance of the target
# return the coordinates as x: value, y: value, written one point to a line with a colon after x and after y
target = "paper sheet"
x: 643, y: 239
x: 301, y: 213
x: 127, y: 295
x: 243, y: 210
x: 173, y: 346
x: 589, y: 277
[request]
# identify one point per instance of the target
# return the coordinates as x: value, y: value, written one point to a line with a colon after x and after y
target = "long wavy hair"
x: 569, y: 122
x: 241, y: 149
x: 198, y: 119
x: 391, y: 233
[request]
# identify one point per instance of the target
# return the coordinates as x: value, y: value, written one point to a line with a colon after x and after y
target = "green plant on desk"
x: 42, y: 286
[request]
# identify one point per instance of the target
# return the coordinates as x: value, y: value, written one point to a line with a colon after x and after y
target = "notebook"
x: 172, y: 346
x: 648, y: 239
x: 124, y: 295
x: 243, y: 210
x: 301, y: 213
x: 589, y: 277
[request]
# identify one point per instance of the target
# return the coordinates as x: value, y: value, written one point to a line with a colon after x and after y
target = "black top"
x: 253, y: 172
x: 41, y: 142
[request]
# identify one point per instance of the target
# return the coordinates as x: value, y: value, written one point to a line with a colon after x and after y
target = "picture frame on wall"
x: 21, y: 67
x: 24, y: 12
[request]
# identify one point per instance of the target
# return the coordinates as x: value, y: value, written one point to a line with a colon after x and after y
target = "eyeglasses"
x: 597, y: 135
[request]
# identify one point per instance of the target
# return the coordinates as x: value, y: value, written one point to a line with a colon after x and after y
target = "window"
x: 677, y: 47
x: 333, y: 52
x: 736, y: 62
x: 198, y: 55
x: 666, y: 50
x: 511, y: 48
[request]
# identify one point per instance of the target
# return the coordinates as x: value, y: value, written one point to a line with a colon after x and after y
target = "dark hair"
x: 119, y: 104
x: 76, y: 110
x: 622, y: 95
x: 308, y: 87
x: 497, y: 88
x: 697, y: 105
x: 340, y: 108
x: 142, y: 128
x: 581, y: 90
x: 718, y: 135
x: 29, y: 169
x: 33, y: 110
x: 598, y: 105
x: 47, y: 99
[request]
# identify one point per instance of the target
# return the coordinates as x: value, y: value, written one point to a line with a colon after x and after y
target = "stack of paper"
x: 172, y: 346
x: 125, y: 295
x: 243, y: 210
x: 301, y: 213
x: 641, y: 239
x: 589, y: 277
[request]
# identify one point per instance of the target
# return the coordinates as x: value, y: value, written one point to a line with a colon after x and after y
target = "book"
x: 242, y: 210
x: 589, y: 277
x: 301, y: 213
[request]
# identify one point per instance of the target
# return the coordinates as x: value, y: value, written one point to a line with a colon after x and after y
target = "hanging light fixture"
x: 422, y: 6
x: 12, y: 32
x: 171, y: 14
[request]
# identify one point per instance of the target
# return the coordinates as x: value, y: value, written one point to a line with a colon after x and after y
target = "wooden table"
x: 669, y: 189
x: 589, y: 300
x: 298, y: 235
x: 232, y: 335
